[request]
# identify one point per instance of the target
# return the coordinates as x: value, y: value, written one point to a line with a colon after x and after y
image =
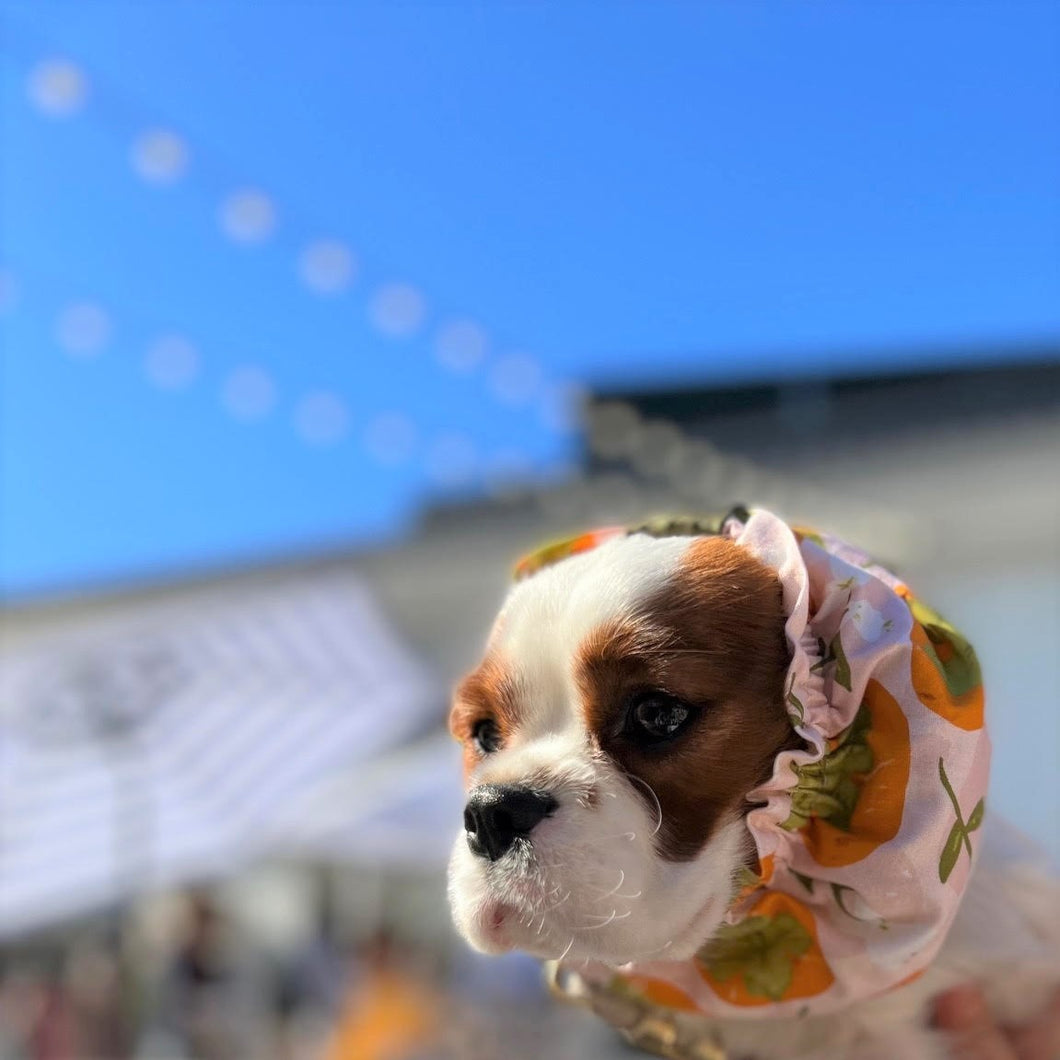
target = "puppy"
x: 730, y: 779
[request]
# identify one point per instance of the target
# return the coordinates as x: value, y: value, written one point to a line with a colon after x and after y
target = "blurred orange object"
x: 390, y: 1014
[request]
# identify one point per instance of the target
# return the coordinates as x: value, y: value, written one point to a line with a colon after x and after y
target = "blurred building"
x: 950, y: 476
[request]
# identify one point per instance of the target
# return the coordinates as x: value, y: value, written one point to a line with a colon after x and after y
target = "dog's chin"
x: 617, y: 910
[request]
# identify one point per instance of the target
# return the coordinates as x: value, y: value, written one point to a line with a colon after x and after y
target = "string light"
x: 58, y: 88
x: 321, y: 418
x: 397, y: 310
x: 391, y: 438
x: 171, y: 362
x: 460, y: 345
x: 248, y: 216
x: 248, y: 393
x: 327, y: 266
x: 515, y: 378
x: 83, y: 329
x: 159, y: 156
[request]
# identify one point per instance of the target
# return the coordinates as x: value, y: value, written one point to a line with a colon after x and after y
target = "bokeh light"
x: 247, y: 216
x: 58, y: 88
x: 160, y: 156
x: 83, y: 329
x: 321, y: 418
x: 249, y: 393
x: 397, y: 310
x: 171, y: 362
x: 327, y: 266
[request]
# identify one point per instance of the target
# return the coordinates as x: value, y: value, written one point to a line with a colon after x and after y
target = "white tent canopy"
x: 404, y: 810
x: 176, y: 739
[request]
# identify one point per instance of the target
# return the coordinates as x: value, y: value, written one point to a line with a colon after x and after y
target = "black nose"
x: 496, y: 814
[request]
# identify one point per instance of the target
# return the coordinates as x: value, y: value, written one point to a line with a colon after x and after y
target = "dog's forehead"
x: 529, y: 677
x: 546, y: 618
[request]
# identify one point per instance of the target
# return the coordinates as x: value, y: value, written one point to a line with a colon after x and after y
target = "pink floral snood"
x: 866, y: 838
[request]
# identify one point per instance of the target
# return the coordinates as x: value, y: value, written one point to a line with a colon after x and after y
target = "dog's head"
x: 629, y: 700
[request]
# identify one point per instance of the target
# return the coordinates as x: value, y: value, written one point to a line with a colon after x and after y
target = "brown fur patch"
x: 487, y: 693
x: 713, y: 637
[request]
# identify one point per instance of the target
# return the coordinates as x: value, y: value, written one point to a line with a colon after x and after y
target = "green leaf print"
x: 951, y: 851
x: 830, y: 788
x: 761, y: 949
x: 960, y: 832
x: 746, y: 878
x: 839, y: 893
x: 833, y: 653
x: 842, y: 667
x: 953, y: 656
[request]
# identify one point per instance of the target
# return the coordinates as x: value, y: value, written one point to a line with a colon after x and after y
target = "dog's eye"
x: 486, y: 736
x: 655, y: 717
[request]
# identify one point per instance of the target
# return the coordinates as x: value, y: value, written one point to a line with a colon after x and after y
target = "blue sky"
x: 598, y: 195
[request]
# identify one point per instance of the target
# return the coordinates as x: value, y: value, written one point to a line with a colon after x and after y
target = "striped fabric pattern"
x: 176, y: 739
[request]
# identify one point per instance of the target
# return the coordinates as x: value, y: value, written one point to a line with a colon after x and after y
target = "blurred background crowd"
x: 314, y: 317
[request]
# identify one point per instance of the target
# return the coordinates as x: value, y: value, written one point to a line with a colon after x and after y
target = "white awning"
x: 178, y: 739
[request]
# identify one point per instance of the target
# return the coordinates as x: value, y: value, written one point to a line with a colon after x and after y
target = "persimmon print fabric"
x: 866, y: 838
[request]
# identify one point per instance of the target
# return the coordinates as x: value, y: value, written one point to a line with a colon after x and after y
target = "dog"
x: 728, y: 778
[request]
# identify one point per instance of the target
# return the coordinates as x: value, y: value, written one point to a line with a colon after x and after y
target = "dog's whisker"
x: 655, y: 798
x: 620, y: 835
x: 557, y: 904
x: 594, y: 927
x: 570, y: 946
x: 610, y: 920
x: 658, y: 949
x: 621, y: 880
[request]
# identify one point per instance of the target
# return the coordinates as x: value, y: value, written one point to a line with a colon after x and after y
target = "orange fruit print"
x: 945, y: 670
x: 661, y: 992
x: 851, y: 801
x: 773, y: 954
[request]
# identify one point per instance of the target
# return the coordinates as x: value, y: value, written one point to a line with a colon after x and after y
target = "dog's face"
x: 629, y: 699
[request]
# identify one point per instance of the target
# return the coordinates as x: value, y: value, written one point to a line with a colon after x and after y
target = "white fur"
x: 589, y: 883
